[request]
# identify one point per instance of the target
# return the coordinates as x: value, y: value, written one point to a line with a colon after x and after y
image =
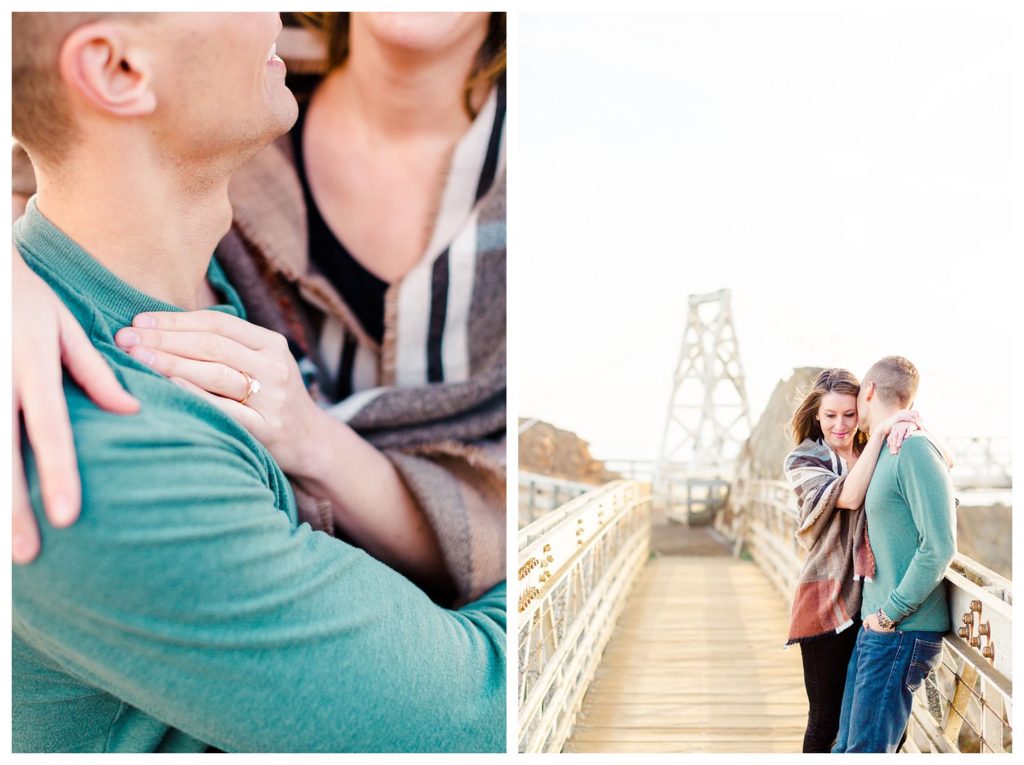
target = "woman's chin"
x: 839, y: 443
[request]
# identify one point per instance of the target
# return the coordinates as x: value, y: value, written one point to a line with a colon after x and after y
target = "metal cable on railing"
x: 576, y: 566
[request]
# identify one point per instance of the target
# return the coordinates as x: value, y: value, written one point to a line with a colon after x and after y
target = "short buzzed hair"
x: 895, y: 379
x: 40, y: 111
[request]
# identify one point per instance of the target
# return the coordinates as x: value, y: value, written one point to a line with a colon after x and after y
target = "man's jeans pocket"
x: 925, y: 658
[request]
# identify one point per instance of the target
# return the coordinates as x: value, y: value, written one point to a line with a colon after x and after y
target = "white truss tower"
x: 708, y: 418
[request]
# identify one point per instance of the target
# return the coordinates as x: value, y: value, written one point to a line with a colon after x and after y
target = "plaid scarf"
x: 839, y: 557
x: 447, y: 438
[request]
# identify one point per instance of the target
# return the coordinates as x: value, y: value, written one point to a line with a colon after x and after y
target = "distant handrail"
x: 981, y: 462
x: 540, y: 494
x: 576, y: 566
x: 965, y: 706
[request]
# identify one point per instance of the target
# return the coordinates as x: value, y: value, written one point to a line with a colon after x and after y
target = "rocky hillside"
x: 548, y: 450
x: 769, y: 441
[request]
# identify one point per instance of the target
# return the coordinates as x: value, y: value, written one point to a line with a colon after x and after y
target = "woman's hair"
x: 805, y: 423
x: 489, y: 65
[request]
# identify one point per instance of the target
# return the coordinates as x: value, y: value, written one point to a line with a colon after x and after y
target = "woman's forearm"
x: 856, y: 484
x: 371, y: 503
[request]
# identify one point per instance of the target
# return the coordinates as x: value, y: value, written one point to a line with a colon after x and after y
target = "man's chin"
x: 282, y: 119
x: 285, y: 112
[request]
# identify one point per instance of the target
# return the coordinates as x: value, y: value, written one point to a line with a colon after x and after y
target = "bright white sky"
x: 847, y: 176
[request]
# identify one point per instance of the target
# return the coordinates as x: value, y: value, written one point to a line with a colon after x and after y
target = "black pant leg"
x: 825, y: 661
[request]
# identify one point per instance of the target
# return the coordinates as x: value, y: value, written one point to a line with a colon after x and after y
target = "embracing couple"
x: 879, y: 526
x: 189, y: 608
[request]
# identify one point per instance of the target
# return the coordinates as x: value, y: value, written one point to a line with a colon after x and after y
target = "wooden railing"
x: 965, y: 705
x: 577, y: 565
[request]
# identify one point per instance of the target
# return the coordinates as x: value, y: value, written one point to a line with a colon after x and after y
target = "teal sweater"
x: 187, y: 608
x: 912, y: 526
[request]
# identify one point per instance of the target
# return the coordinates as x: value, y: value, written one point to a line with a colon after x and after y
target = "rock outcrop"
x: 770, y: 442
x: 551, y: 451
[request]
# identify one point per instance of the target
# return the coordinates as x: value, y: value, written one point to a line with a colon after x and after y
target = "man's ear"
x: 99, y: 64
x: 869, y: 390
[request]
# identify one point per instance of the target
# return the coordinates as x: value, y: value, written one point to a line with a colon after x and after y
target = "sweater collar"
x: 46, y: 248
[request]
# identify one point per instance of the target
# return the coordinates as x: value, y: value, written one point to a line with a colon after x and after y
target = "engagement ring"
x: 254, y: 387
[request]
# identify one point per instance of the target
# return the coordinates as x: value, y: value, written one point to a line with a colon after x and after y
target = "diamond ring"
x: 254, y: 387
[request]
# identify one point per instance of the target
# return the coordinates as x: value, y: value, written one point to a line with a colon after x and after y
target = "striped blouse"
x: 427, y: 310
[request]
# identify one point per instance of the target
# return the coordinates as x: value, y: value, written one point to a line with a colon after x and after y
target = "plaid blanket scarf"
x: 839, y: 557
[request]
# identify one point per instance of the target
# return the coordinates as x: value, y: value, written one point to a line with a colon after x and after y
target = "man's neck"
x: 880, y: 413
x: 154, y: 228
x: 401, y: 94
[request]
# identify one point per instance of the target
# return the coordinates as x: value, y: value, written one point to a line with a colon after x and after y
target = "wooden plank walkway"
x: 696, y: 665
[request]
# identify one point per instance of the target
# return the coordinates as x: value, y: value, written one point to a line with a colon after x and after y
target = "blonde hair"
x: 895, y: 379
x: 40, y: 110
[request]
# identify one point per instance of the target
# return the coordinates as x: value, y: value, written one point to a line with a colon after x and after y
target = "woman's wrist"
x: 313, y: 457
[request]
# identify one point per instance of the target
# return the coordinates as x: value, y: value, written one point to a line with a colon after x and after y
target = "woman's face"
x: 837, y: 414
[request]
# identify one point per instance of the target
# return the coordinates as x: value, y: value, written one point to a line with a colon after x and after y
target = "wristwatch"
x: 884, y: 621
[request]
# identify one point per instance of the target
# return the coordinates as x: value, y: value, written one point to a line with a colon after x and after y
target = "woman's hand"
x: 210, y: 353
x: 903, y: 415
x: 45, y: 335
x: 896, y: 427
x: 899, y: 434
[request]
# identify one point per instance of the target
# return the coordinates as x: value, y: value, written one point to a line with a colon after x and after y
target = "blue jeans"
x: 884, y: 671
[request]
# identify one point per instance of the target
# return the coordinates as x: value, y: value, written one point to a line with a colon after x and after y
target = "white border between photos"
x: 512, y: 383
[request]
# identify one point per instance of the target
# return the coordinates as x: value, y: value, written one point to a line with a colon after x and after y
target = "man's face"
x: 220, y: 90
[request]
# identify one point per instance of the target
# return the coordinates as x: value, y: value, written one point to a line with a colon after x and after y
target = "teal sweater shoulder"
x: 188, y: 609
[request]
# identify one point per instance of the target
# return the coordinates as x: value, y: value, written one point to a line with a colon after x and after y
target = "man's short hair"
x: 895, y: 379
x: 40, y: 111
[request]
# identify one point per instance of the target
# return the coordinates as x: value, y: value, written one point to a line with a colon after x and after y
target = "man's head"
x: 200, y: 90
x: 889, y: 385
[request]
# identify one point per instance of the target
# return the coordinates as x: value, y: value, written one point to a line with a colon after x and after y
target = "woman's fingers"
x: 899, y: 434
x: 211, y: 361
x: 91, y: 370
x: 201, y: 346
x: 214, y: 322
x: 895, y: 441
x: 42, y: 321
x: 217, y: 378
x: 48, y: 427
x: 24, y: 532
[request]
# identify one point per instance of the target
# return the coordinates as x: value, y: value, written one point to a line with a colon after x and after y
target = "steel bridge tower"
x: 708, y: 418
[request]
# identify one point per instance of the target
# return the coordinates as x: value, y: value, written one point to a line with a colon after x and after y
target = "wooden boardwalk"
x: 696, y: 665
